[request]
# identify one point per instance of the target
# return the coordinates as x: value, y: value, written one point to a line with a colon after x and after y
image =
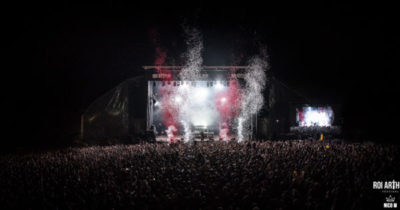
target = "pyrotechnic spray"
x: 170, y: 133
x: 194, y: 60
x: 190, y: 72
x: 252, y: 100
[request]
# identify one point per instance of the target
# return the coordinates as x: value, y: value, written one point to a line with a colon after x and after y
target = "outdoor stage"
x: 164, y: 139
x: 210, y: 101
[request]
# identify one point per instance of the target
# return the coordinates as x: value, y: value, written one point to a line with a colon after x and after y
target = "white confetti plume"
x: 253, y: 99
x: 190, y: 72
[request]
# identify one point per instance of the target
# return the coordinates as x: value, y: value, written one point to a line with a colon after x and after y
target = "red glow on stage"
x: 228, y: 104
x: 169, y: 110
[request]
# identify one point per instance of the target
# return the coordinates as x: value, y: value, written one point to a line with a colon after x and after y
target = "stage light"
x: 219, y: 85
x: 169, y: 83
x: 185, y: 85
x: 178, y: 99
x: 223, y: 100
x: 157, y: 103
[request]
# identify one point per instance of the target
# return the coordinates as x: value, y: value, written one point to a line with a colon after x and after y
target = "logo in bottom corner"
x: 390, y: 202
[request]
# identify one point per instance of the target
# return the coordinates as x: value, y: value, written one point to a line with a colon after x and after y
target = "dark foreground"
x: 215, y: 175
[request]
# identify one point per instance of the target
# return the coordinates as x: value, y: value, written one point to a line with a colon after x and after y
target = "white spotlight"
x: 219, y: 85
x: 223, y: 100
x: 184, y: 85
x: 178, y: 99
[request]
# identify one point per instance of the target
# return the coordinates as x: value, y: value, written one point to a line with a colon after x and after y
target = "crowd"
x: 202, y: 175
x: 305, y: 132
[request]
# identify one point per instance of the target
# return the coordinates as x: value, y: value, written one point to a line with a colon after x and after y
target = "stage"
x: 164, y: 139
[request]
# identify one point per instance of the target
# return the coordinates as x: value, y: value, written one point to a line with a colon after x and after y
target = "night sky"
x: 62, y: 60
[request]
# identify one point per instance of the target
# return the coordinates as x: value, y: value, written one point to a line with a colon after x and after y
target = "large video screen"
x: 314, y: 116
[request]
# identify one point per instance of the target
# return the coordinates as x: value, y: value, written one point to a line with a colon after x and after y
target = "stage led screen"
x: 314, y: 116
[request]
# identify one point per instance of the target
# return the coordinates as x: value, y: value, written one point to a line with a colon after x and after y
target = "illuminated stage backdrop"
x: 211, y: 104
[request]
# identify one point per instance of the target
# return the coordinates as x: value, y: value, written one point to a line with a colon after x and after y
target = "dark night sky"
x: 61, y: 61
